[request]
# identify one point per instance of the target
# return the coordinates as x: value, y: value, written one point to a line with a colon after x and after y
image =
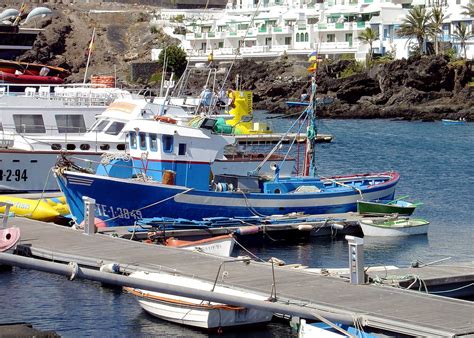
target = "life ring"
x: 164, y: 119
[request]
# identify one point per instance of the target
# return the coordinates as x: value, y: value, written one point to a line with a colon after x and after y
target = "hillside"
x: 427, y: 88
x: 122, y: 36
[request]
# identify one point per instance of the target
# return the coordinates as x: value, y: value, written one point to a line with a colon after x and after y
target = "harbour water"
x: 435, y: 163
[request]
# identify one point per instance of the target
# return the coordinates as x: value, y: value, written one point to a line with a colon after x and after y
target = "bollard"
x: 89, y: 215
x: 5, y: 214
x: 356, y: 260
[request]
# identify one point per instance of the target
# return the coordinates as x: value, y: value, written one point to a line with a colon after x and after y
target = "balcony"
x: 280, y: 30
x: 327, y: 47
x: 254, y: 49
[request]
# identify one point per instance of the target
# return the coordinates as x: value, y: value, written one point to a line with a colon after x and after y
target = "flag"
x: 313, y: 67
x: 90, y: 46
x: 313, y: 57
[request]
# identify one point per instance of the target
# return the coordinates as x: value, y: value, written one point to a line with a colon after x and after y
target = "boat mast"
x: 310, y: 158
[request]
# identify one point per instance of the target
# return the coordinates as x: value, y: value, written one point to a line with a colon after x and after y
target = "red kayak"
x: 29, y: 79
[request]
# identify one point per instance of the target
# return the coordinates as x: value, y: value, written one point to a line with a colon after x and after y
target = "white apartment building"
x: 247, y: 28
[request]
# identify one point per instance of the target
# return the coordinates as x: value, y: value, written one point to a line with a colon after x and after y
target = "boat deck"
x: 378, y: 306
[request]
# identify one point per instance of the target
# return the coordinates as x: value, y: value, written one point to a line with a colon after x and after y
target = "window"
x: 297, y: 37
x: 100, y: 125
x: 29, y: 124
x: 306, y: 37
x: 167, y: 141
x: 133, y: 140
x: 331, y: 38
x: 70, y: 123
x: 220, y: 44
x: 142, y: 140
x: 182, y: 149
x: 288, y: 40
x: 115, y: 128
x: 153, y: 142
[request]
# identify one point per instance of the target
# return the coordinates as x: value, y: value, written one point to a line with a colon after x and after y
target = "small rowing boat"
x: 394, y: 227
x: 382, y: 207
x: 196, y: 312
x: 219, y: 245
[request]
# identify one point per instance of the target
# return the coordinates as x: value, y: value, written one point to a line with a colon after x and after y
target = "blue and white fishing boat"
x: 168, y: 174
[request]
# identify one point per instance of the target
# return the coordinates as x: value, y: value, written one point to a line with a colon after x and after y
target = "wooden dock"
x: 274, y: 138
x: 381, y: 307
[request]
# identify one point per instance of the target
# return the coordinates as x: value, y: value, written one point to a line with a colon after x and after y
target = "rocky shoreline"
x: 424, y: 88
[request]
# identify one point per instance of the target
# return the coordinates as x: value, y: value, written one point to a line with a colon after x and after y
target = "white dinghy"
x: 196, y: 312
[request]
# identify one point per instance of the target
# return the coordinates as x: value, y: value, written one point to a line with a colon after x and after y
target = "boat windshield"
x: 115, y: 128
x: 100, y: 125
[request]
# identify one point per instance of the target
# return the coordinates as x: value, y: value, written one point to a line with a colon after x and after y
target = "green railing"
x: 360, y: 24
x: 339, y: 25
x: 197, y: 35
x: 262, y: 29
x: 322, y: 26
x: 277, y: 29
x: 211, y: 35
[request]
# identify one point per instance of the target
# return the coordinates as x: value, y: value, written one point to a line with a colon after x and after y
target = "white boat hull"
x: 369, y: 228
x: 31, y: 170
x: 196, y: 312
x: 222, y: 247
x: 205, y: 319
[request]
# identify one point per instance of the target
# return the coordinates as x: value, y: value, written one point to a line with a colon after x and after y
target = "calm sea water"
x: 436, y: 167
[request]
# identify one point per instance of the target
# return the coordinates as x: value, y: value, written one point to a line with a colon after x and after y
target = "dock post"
x: 356, y: 260
x: 5, y: 214
x: 89, y: 213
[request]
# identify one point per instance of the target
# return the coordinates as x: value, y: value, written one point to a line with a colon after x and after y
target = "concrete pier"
x: 377, y: 306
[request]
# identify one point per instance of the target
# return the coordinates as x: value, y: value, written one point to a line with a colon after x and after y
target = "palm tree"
x: 469, y: 9
x: 418, y: 25
x: 462, y: 34
x: 437, y: 18
x: 368, y: 36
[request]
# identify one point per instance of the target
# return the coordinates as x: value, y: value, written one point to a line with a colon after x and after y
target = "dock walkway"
x: 382, y: 307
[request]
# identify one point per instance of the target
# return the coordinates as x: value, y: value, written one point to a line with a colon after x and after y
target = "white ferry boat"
x: 29, y: 149
x: 38, y: 122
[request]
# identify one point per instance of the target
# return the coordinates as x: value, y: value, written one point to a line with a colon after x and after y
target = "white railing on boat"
x: 69, y: 94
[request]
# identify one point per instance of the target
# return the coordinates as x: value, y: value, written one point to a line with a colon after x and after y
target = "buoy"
x: 305, y: 227
x: 33, y: 209
x: 337, y: 226
x: 98, y: 223
x: 9, y: 237
x: 247, y: 230
x: 110, y: 267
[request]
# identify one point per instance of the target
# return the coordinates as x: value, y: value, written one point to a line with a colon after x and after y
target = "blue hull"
x: 122, y: 202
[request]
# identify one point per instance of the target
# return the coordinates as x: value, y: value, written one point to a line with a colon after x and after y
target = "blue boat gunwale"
x: 392, y: 180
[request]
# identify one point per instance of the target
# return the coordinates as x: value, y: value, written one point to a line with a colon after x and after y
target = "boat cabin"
x: 164, y: 151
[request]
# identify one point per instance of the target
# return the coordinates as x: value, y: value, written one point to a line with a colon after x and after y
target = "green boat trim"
x: 384, y: 207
